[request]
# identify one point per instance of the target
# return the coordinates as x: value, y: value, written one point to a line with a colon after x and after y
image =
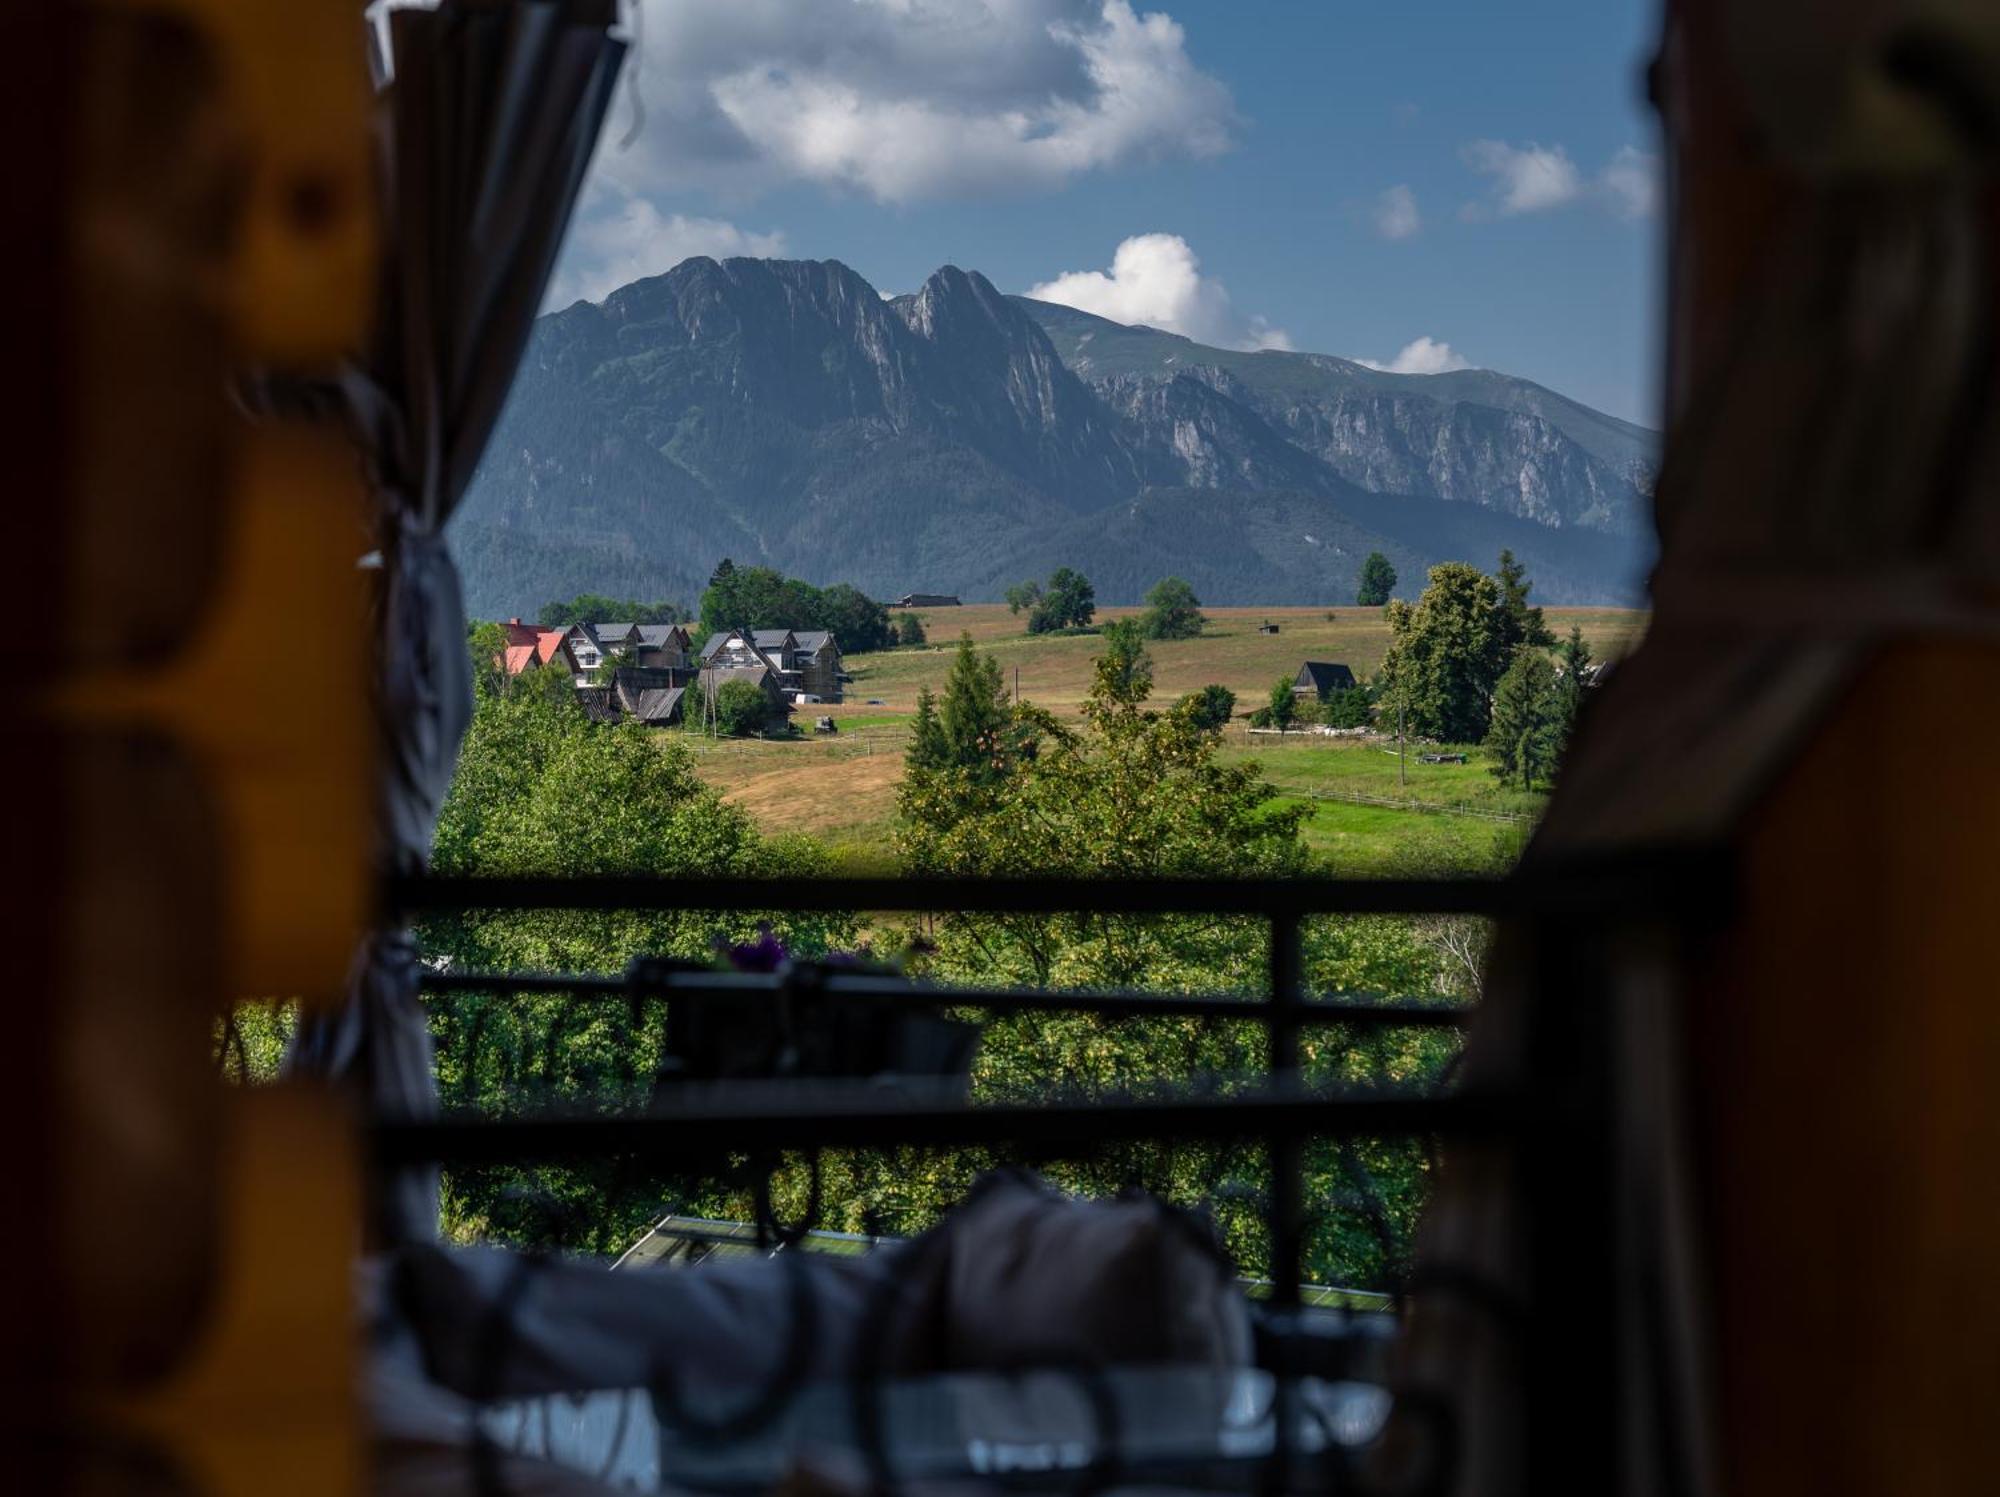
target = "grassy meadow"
x: 1371, y: 813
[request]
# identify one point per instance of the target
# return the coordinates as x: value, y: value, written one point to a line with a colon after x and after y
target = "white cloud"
x: 1526, y: 179
x: 1534, y: 178
x: 1631, y: 183
x: 616, y: 239
x: 1421, y: 356
x: 911, y: 99
x: 1156, y: 280
x: 1396, y: 215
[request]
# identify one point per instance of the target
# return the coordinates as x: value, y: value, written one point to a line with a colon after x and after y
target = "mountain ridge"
x: 783, y: 412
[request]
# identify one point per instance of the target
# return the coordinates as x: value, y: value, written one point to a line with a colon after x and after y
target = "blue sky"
x: 1417, y: 183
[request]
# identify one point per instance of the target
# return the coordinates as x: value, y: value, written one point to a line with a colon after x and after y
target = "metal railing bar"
x: 1655, y: 884
x: 713, y: 1128
x: 1118, y: 1004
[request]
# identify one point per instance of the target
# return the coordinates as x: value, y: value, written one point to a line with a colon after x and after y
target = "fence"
x: 1556, y: 1115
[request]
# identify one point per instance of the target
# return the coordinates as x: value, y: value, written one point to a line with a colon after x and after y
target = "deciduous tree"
x: 1172, y: 611
x: 1377, y: 582
x: 1442, y: 666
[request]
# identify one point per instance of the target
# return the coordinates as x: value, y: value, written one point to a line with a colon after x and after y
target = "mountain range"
x: 958, y: 440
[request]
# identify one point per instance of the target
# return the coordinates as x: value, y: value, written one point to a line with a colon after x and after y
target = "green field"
x: 841, y: 790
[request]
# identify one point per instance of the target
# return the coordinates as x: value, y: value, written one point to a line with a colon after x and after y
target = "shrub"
x: 1209, y: 708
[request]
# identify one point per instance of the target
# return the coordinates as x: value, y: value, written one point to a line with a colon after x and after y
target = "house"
x: 584, y: 651
x: 549, y: 645
x: 1322, y: 678
x: 519, y: 633
x: 713, y: 678
x: 806, y: 662
x: 612, y: 638
x: 663, y: 646
x: 649, y: 696
x: 816, y: 662
x: 926, y: 600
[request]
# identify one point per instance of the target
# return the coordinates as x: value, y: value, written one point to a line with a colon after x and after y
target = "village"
x: 642, y: 672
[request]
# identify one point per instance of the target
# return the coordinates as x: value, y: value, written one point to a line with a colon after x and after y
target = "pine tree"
x: 1525, y: 736
x: 1514, y: 623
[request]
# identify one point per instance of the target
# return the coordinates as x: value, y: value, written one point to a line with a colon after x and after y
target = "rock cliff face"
x: 784, y: 412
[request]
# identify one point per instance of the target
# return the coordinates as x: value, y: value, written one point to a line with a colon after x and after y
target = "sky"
x: 1423, y: 184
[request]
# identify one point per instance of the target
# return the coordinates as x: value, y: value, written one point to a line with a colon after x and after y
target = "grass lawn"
x: 841, y: 789
x: 1056, y: 671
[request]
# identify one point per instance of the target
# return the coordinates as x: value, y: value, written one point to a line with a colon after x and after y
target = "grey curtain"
x: 1830, y: 489
x: 490, y: 115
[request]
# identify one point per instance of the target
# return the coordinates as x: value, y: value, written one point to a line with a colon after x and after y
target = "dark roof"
x: 653, y: 636
x: 810, y: 640
x: 655, y: 706
x: 772, y: 639
x: 1326, y: 675
x: 616, y: 632
x: 599, y: 703
x: 757, y: 675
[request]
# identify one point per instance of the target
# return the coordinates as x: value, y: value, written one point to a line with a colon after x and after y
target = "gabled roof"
x: 759, y: 676
x: 658, y: 636
x: 517, y: 658
x: 772, y: 639
x: 609, y: 634
x: 599, y: 703
x: 519, y: 633
x: 716, y: 642
x: 1327, y: 675
x: 810, y: 640
x: 656, y: 706
x: 550, y: 645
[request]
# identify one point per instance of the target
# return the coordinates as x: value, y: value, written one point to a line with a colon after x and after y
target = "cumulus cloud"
x: 1421, y: 356
x: 616, y: 239
x: 1526, y: 179
x: 1396, y: 214
x: 1534, y: 178
x: 1156, y: 280
x: 1631, y: 183
x: 912, y: 99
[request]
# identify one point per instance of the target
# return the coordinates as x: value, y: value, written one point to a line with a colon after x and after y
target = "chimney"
x: 515, y: 621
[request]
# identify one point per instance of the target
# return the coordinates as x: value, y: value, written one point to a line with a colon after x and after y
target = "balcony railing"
x: 1570, y: 926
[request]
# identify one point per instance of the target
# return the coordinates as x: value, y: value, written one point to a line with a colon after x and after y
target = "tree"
x: 1516, y: 624
x: 595, y: 608
x: 741, y: 709
x: 1124, y: 672
x: 1348, y: 707
x: 909, y: 629
x: 1525, y: 735
x: 1210, y: 708
x: 543, y: 791
x: 765, y: 598
x: 1283, y: 708
x: 857, y: 620
x: 1573, y: 663
x: 1441, y: 666
x: 1172, y: 611
x: 1377, y: 582
x: 486, y: 643
x: 1067, y: 601
x: 970, y: 733
x: 1023, y: 596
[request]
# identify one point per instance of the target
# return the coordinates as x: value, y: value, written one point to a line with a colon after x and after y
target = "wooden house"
x: 1322, y: 678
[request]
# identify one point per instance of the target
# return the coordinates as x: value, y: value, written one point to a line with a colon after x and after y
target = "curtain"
x: 490, y: 116
x: 1826, y: 490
